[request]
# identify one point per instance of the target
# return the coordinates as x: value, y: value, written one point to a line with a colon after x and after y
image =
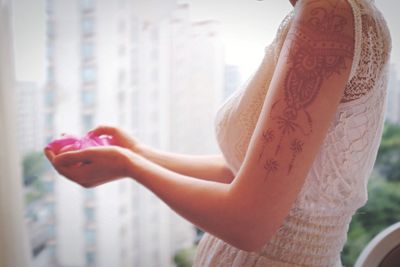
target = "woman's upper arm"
x: 306, y: 88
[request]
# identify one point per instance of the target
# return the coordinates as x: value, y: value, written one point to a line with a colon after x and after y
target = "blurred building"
x: 30, y: 117
x: 393, y: 95
x: 196, y: 81
x: 154, y: 78
x: 176, y: 85
x: 232, y: 80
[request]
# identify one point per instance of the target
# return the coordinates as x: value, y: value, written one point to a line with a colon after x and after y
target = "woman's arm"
x: 207, y: 204
x: 307, y: 86
x: 206, y: 167
x: 305, y: 91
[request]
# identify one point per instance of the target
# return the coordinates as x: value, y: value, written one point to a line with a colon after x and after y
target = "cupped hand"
x: 92, y: 166
x: 119, y: 136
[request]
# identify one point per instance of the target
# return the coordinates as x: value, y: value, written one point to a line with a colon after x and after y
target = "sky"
x: 252, y: 24
x: 246, y: 27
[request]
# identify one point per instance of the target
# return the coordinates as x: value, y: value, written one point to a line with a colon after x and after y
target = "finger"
x: 104, y: 130
x: 73, y: 158
x: 76, y: 175
x: 49, y: 154
x: 82, y: 175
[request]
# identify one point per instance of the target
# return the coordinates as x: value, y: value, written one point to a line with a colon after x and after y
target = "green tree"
x: 388, y: 158
x: 383, y: 206
x: 185, y: 257
x: 381, y: 211
x: 34, y: 166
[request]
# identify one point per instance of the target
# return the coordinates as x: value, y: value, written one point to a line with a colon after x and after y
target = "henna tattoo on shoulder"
x: 320, y: 48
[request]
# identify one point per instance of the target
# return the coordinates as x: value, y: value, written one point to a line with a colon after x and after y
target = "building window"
x: 155, y: 139
x: 123, y: 254
x: 90, y: 214
x: 90, y: 193
x: 87, y: 121
x: 123, y: 231
x: 49, y: 185
x: 50, y: 208
x: 135, y: 31
x: 135, y: 75
x: 122, y: 3
x: 122, y: 50
x: 52, y: 251
x: 121, y: 77
x: 49, y: 98
x: 88, y: 74
x: 90, y: 236
x: 49, y: 120
x: 50, y: 74
x: 50, y: 28
x: 90, y: 258
x: 51, y: 231
x: 50, y: 50
x: 87, y: 51
x: 87, y: 26
x: 88, y: 98
x: 154, y: 75
x: 122, y: 212
x: 49, y: 138
x: 154, y: 35
x: 87, y: 5
x: 49, y: 6
x: 122, y: 26
x: 154, y: 55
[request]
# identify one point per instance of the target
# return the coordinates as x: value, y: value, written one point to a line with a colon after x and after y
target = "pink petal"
x: 102, y: 140
x: 72, y: 143
x: 72, y: 147
x: 58, y: 144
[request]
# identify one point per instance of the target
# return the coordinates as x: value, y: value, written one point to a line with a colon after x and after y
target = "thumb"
x: 103, y: 130
x: 49, y: 154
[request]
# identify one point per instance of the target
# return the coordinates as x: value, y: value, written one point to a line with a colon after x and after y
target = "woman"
x: 299, y: 142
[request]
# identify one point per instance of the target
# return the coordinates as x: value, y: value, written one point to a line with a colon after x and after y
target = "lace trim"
x: 357, y: 37
x: 373, y: 51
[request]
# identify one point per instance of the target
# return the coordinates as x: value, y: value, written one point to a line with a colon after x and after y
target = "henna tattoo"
x: 268, y: 136
x: 270, y: 165
x: 319, y: 49
x: 296, y: 146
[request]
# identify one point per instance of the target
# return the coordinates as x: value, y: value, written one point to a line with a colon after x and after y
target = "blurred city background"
x: 159, y: 69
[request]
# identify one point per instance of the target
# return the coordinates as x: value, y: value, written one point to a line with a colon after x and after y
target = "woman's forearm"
x: 207, y: 204
x: 206, y: 167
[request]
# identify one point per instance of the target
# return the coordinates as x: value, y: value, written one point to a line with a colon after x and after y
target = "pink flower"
x: 71, y: 142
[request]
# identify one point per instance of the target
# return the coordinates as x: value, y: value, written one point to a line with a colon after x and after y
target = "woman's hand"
x: 119, y: 137
x: 92, y: 166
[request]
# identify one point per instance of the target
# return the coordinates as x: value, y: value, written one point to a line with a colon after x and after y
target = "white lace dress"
x: 314, y: 232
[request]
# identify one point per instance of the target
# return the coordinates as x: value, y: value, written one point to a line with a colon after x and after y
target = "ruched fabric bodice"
x: 315, y: 230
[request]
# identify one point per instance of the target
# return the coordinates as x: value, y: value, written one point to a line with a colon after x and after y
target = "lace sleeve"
x: 371, y: 50
x: 357, y: 37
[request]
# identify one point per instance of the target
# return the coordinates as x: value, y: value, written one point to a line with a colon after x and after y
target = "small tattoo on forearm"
x: 270, y: 165
x: 296, y: 146
x: 268, y: 137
